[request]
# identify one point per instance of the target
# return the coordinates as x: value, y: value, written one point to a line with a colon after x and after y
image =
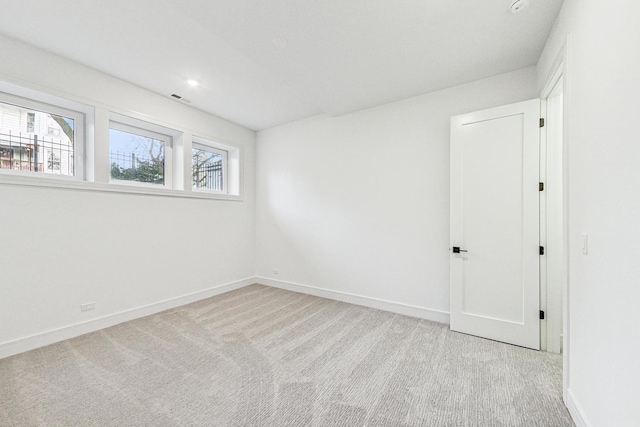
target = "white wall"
x: 60, y: 248
x: 603, y: 128
x: 355, y: 204
x: 359, y: 204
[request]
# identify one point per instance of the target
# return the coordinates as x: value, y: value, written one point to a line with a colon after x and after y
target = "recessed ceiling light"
x: 518, y: 5
x: 279, y: 42
x: 193, y: 83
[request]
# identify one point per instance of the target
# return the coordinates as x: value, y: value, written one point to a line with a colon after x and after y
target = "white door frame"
x: 552, y: 267
x: 560, y: 73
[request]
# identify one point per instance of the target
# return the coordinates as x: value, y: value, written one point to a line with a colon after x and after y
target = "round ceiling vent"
x: 518, y: 5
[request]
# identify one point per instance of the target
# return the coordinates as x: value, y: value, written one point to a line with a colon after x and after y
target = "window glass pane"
x: 136, y: 157
x: 207, y: 169
x: 36, y: 141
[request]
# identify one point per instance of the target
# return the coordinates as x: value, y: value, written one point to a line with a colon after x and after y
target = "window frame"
x: 91, y: 147
x: 138, y: 127
x: 234, y: 174
x: 198, y: 144
x: 79, y: 143
x: 31, y: 123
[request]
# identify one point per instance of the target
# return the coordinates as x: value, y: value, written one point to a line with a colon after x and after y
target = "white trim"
x: 17, y: 84
x: 95, y: 155
x: 147, y: 130
x: 394, y: 307
x: 149, y: 127
x: 557, y: 72
x: 552, y: 206
x: 233, y: 180
x: 561, y: 70
x: 58, y: 107
x: 543, y: 209
x: 566, y: 137
x: 224, y: 154
x: 213, y: 143
x: 139, y: 131
x: 56, y: 335
x: 113, y: 187
x: 576, y: 411
x: 22, y: 345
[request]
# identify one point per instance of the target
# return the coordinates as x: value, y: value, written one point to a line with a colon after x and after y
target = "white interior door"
x: 495, y: 219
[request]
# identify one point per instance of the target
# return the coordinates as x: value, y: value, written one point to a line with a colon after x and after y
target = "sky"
x: 127, y: 143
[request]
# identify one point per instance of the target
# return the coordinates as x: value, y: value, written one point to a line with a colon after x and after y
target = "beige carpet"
x: 264, y: 356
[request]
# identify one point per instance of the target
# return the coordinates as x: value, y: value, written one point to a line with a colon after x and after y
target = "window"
x: 215, y: 167
x: 25, y: 148
x: 31, y: 122
x: 139, y: 155
x: 209, y: 168
x: 53, y: 161
x: 55, y: 142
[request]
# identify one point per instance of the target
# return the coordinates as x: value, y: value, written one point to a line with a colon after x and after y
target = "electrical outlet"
x: 276, y: 271
x: 88, y: 306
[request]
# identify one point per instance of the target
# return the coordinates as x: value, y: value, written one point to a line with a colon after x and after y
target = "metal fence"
x: 39, y: 154
x: 128, y: 160
x: 35, y: 153
x: 131, y: 167
x: 208, y: 176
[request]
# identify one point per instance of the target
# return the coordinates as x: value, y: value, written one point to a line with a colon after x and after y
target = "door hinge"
x: 541, y: 122
x: 541, y: 250
x: 541, y: 315
x: 541, y: 186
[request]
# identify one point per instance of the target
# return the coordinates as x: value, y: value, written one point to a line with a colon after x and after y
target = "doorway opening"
x: 552, y: 266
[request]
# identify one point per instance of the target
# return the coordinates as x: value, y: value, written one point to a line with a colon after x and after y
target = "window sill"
x: 67, y: 184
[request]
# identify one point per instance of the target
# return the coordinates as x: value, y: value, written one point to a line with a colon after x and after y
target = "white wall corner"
x: 22, y: 345
x: 394, y: 307
x: 576, y: 411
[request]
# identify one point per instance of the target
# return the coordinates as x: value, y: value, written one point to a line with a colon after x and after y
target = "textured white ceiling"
x: 341, y: 55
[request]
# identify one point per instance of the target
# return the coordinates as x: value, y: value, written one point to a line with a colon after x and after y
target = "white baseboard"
x: 394, y: 307
x: 21, y: 345
x: 576, y: 410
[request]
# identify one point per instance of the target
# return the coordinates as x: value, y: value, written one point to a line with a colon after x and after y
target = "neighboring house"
x: 35, y: 141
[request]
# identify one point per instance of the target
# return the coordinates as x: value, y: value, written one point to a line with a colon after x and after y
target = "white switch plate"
x: 276, y: 271
x: 585, y: 244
